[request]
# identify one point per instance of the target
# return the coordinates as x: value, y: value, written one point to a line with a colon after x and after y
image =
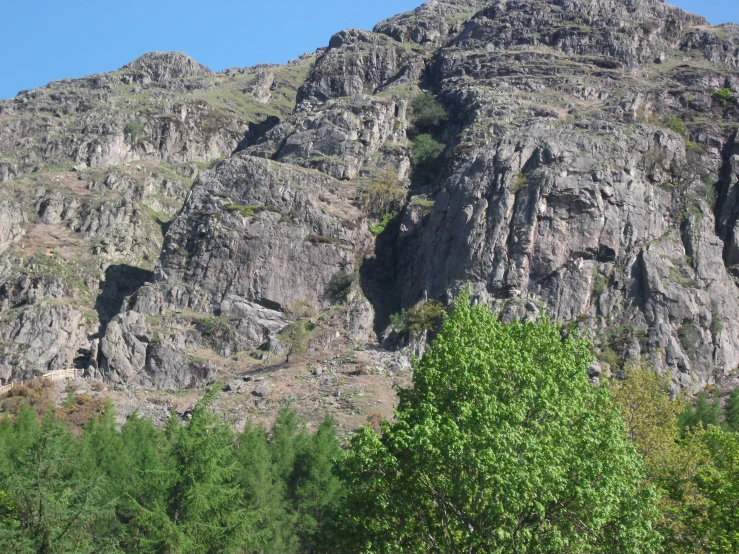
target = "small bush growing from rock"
x: 600, y: 282
x: 214, y: 326
x: 717, y: 324
x: 341, y: 285
x: 134, y: 130
x: 424, y: 316
x: 425, y: 149
x: 689, y: 337
x: 380, y: 227
x: 709, y: 190
x: 428, y: 111
x: 723, y: 95
x: 674, y: 123
x: 520, y: 182
x: 385, y: 195
x: 301, y: 310
x: 245, y: 211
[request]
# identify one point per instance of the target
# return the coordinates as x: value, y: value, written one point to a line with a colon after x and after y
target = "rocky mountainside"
x: 162, y: 225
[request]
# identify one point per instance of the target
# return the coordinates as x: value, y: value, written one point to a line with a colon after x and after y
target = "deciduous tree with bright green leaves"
x: 501, y: 446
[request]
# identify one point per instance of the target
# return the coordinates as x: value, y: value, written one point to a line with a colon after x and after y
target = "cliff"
x: 163, y: 224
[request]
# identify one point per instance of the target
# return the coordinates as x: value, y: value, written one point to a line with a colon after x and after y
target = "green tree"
x: 52, y: 506
x: 146, y: 476
x: 317, y: 489
x: 385, y: 195
x: 716, y: 521
x: 650, y: 415
x: 705, y: 412
x: 428, y: 112
x: 288, y: 440
x: 732, y: 411
x: 102, y: 453
x: 204, y: 512
x: 425, y: 150
x: 295, y: 337
x: 501, y: 445
x: 264, y: 495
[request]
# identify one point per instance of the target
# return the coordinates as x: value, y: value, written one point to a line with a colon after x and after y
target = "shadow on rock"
x: 377, y: 277
x: 120, y: 282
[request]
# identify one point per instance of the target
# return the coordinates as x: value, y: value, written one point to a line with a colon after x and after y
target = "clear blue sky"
x: 46, y: 40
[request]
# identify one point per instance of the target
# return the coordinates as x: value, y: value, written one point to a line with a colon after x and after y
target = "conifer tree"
x: 101, y: 454
x: 148, y: 477
x: 708, y: 412
x: 55, y: 508
x: 732, y: 411
x: 287, y: 438
x: 317, y: 487
x: 704, y: 412
x: 205, y: 499
x: 264, y: 495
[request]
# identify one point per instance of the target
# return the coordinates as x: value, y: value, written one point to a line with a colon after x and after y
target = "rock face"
x: 577, y: 204
x: 254, y: 239
x: 92, y: 172
x: 264, y: 232
x: 42, y: 338
x: 588, y: 171
x: 12, y: 223
x: 162, y: 67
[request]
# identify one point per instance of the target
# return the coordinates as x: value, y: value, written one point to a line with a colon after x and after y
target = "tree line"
x: 193, y: 488
x: 501, y: 446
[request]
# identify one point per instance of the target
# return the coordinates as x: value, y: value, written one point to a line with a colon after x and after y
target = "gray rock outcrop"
x: 12, y: 224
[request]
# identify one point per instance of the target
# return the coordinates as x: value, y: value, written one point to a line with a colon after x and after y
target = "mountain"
x: 163, y: 225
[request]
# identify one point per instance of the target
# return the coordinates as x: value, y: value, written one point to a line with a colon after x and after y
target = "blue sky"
x: 46, y: 40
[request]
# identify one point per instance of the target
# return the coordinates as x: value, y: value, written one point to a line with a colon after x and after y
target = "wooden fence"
x: 57, y: 375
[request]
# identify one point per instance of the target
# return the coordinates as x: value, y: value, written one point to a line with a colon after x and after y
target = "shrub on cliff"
x: 425, y: 150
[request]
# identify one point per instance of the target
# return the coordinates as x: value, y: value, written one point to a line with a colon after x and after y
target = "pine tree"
x: 687, y: 418
x: 704, y: 412
x: 101, y: 446
x: 707, y: 412
x: 172, y: 429
x: 149, y: 476
x: 287, y: 439
x: 205, y: 499
x: 102, y: 456
x: 24, y: 434
x: 264, y: 494
x: 55, y: 507
x: 732, y: 411
x: 317, y: 488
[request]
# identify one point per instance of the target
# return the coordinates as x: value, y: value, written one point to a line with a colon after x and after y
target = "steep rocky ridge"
x: 589, y: 173
x: 561, y: 191
x: 92, y: 171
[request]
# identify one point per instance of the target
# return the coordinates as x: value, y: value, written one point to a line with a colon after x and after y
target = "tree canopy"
x: 501, y: 445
